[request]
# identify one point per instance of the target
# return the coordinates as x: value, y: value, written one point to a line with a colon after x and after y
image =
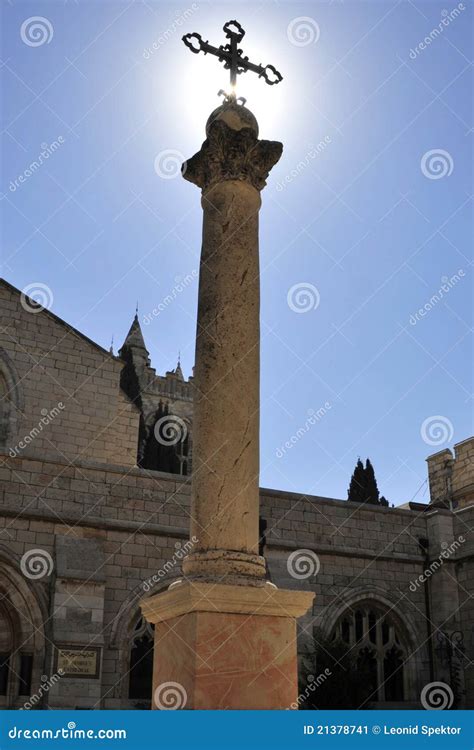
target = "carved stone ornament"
x: 229, y: 154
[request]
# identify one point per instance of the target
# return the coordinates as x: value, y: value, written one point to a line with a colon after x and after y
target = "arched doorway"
x: 22, y: 642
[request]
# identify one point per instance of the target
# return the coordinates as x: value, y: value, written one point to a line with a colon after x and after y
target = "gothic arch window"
x: 16, y: 662
x: 5, y: 410
x: 141, y: 664
x: 182, y: 455
x: 23, y: 612
x: 11, y: 399
x: 6, y: 647
x: 167, y: 443
x: 379, y: 647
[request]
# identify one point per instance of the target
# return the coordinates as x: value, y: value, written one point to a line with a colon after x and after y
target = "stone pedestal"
x: 225, y: 647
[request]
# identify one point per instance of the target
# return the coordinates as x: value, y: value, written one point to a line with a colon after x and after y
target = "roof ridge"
x: 62, y: 322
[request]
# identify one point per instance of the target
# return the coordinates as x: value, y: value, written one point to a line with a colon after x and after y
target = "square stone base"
x: 245, y: 658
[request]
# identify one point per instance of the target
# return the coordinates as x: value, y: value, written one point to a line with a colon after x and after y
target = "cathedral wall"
x: 363, y: 553
x: 463, y: 473
x: 104, y: 532
x: 110, y: 533
x: 337, y: 524
x: 64, y: 398
x: 115, y: 534
x: 464, y: 523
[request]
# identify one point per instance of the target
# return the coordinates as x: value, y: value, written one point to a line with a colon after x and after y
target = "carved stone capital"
x: 229, y: 154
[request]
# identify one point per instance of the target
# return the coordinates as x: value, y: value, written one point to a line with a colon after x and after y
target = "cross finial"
x: 232, y: 56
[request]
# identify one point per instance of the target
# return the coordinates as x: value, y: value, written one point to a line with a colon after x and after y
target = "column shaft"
x: 226, y: 407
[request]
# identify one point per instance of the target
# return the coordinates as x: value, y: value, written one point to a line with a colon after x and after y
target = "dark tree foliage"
x: 363, y: 486
x: 371, y: 484
x: 357, y: 488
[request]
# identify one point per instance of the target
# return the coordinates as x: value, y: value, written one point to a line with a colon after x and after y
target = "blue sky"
x: 370, y: 222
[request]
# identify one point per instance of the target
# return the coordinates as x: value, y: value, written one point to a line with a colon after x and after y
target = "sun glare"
x: 203, y: 77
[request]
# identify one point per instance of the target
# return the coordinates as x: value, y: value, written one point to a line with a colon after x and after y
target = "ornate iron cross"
x: 232, y: 56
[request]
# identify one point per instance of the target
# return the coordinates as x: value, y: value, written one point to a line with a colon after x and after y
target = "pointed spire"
x: 111, y: 350
x: 178, y: 372
x: 134, y: 340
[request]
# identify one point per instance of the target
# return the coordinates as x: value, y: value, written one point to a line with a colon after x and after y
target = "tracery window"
x: 6, y: 648
x: 166, y: 443
x: 15, y: 665
x: 5, y: 406
x: 374, y: 638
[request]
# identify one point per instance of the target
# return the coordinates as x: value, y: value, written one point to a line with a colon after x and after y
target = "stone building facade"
x: 90, y: 523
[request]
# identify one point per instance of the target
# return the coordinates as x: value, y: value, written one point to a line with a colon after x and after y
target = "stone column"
x: 224, y: 636
x: 231, y: 169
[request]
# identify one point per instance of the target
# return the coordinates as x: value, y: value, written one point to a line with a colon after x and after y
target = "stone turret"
x: 134, y: 345
x: 451, y: 477
x: 165, y: 398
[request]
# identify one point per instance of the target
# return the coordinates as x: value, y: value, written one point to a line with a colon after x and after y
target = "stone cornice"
x: 229, y: 154
x: 185, y: 597
x: 153, y: 529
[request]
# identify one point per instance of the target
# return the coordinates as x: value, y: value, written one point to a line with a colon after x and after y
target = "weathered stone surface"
x: 80, y: 559
x: 231, y: 169
x: 451, y: 477
x: 229, y: 154
x: 226, y: 377
x: 227, y: 647
x: 234, y: 115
